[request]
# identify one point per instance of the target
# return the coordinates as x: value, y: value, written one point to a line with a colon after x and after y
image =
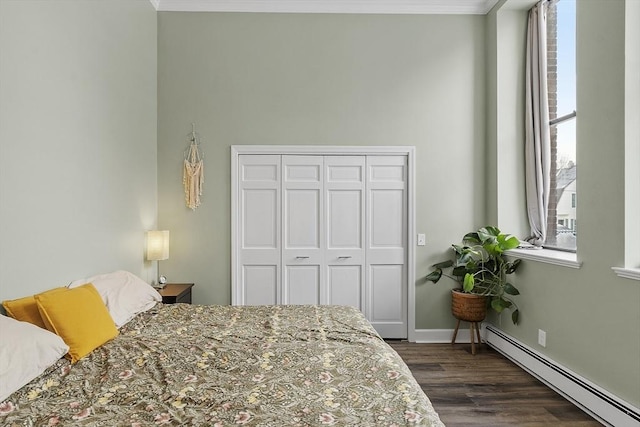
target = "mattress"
x: 185, y: 364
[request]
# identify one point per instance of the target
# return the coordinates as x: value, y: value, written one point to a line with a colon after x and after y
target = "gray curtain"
x: 537, y: 140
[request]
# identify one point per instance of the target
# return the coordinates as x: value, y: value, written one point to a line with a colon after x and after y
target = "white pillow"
x: 26, y: 351
x: 124, y: 294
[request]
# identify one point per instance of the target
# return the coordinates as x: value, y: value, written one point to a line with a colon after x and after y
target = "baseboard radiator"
x: 602, y: 405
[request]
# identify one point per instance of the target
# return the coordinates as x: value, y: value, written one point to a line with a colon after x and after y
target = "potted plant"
x: 480, y: 266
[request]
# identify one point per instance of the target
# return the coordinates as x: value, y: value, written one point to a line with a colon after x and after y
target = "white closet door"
x: 303, y: 223
x: 345, y: 230
x: 386, y: 241
x: 259, y: 227
x: 324, y: 230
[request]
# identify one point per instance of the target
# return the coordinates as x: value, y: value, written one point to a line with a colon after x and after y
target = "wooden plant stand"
x: 469, y: 308
x: 472, y: 326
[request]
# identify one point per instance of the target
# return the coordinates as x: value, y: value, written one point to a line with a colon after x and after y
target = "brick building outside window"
x: 561, y: 78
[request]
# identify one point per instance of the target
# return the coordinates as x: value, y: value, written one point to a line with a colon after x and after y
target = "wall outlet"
x: 421, y: 239
x: 542, y: 338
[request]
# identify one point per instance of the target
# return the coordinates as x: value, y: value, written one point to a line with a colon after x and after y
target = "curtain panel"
x: 537, y: 133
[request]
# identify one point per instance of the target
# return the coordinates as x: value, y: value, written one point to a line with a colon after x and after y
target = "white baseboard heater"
x: 594, y: 400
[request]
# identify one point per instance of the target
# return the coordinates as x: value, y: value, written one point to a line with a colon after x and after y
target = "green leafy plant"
x: 480, y: 266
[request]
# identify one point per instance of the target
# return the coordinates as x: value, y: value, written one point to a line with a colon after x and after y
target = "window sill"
x: 627, y: 273
x: 549, y: 256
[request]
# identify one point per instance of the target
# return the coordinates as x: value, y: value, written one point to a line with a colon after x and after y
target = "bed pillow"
x: 124, y: 294
x: 26, y: 351
x: 79, y: 317
x: 25, y: 309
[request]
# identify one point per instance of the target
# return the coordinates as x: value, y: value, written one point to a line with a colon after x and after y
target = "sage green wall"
x: 320, y: 79
x: 77, y: 139
x: 591, y: 316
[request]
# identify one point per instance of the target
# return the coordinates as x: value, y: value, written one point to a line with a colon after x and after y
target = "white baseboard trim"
x: 594, y: 400
x: 439, y: 336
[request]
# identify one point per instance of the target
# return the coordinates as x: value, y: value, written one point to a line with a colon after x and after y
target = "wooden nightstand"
x: 176, y: 292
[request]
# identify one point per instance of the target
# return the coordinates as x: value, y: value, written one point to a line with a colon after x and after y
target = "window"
x: 561, y: 84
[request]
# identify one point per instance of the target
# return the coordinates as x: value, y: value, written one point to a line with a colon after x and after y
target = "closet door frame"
x: 306, y: 150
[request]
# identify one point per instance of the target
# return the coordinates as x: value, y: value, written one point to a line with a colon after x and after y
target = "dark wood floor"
x: 486, y: 389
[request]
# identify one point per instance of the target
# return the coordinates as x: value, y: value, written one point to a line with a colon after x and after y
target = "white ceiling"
x: 467, y: 7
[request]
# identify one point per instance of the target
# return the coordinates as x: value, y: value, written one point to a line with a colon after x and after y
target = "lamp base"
x: 162, y: 282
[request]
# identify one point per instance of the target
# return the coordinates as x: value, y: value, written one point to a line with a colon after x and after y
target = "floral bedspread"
x: 227, y: 365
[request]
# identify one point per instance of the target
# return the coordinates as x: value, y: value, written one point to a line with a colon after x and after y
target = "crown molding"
x: 410, y: 7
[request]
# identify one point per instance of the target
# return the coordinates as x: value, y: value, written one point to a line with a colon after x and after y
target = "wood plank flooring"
x: 485, y: 390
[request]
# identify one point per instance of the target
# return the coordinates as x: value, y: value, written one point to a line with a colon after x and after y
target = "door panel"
x: 345, y: 285
x: 387, y: 223
x: 259, y: 209
x: 386, y: 301
x: 260, y: 172
x: 344, y: 172
x: 386, y: 240
x: 302, y: 172
x: 303, y: 222
x: 387, y: 173
x: 345, y: 225
x: 259, y: 220
x: 302, y: 284
x: 260, y: 284
x: 302, y: 225
x: 344, y: 219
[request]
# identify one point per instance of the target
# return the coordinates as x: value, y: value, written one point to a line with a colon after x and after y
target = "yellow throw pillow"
x: 79, y: 317
x: 26, y: 310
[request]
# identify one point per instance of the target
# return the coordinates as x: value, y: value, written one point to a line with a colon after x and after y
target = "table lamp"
x: 158, y: 250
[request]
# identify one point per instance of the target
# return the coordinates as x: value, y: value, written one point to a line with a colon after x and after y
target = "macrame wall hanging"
x: 193, y: 175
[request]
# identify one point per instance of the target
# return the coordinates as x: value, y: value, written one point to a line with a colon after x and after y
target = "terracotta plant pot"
x: 468, y: 307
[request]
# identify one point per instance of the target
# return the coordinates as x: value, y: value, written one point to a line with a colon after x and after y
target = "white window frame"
x: 631, y: 269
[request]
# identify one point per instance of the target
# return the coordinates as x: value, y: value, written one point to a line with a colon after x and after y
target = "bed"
x: 185, y: 364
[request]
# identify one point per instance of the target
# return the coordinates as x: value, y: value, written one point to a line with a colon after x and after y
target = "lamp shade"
x: 157, y: 245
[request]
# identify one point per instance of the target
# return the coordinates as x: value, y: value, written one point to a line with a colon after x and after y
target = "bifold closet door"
x: 345, y: 230
x: 386, y: 252
x: 303, y: 225
x: 325, y: 230
x: 323, y: 225
x: 259, y: 221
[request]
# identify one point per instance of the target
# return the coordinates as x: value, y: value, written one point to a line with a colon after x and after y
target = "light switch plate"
x: 421, y: 239
x: 542, y: 338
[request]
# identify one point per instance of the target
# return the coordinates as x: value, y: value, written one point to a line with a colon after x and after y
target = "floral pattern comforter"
x: 227, y: 365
